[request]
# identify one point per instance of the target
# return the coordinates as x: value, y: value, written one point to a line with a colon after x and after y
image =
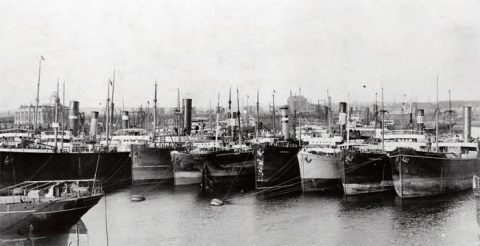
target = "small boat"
x: 38, y: 208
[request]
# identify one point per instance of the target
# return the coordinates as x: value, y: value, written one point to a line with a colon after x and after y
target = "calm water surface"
x: 180, y: 216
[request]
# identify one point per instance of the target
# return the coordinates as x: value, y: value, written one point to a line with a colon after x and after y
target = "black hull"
x: 225, y: 169
x: 152, y: 164
x: 365, y: 172
x: 114, y: 169
x: 37, y: 219
x: 186, y: 168
x: 277, y: 168
x: 322, y: 185
x: 420, y: 174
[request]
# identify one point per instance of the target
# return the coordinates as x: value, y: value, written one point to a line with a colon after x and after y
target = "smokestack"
x: 187, y: 115
x: 342, y: 117
x: 93, y: 125
x: 125, y: 120
x: 467, y: 123
x: 325, y: 108
x: 73, y: 122
x: 284, y: 121
x: 367, y: 116
x: 375, y: 115
x: 420, y: 119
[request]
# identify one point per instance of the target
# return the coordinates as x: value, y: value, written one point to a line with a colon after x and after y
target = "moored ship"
x: 319, y: 167
x: 277, y: 164
x: 229, y: 167
x: 36, y: 208
x: 152, y: 164
x: 447, y: 167
x: 365, y: 168
x: 23, y: 164
x: 421, y: 173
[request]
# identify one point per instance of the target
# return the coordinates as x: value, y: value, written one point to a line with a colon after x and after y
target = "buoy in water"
x: 216, y: 202
x: 137, y: 198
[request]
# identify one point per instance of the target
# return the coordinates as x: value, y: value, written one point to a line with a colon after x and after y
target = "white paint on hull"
x: 187, y: 177
x: 357, y: 189
x: 314, y: 166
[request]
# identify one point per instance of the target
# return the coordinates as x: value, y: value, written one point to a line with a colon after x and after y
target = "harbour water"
x: 180, y: 216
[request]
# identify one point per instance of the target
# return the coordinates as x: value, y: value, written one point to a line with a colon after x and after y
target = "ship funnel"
x: 93, y: 125
x: 325, y: 111
x: 420, y: 119
x: 73, y: 121
x: 284, y: 121
x: 467, y: 123
x: 375, y: 114
x: 125, y: 120
x: 187, y: 115
x: 367, y: 116
x: 342, y: 117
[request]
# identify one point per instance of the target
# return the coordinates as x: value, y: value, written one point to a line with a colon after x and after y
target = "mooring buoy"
x: 137, y: 198
x: 216, y: 202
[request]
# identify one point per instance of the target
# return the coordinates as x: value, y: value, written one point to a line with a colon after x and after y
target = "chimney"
x: 467, y: 123
x: 342, y: 117
x: 187, y: 115
x: 73, y: 121
x: 420, y: 119
x: 125, y: 120
x: 367, y: 116
x: 93, y: 125
x: 284, y: 121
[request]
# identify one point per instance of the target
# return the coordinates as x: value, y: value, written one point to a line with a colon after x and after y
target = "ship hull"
x: 152, y: 164
x: 37, y: 219
x: 365, y: 172
x: 227, y: 169
x: 114, y: 168
x: 186, y: 169
x: 319, y: 172
x: 421, y: 174
x: 277, y: 168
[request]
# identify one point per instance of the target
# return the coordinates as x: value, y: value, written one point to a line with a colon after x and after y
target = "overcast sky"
x: 205, y: 46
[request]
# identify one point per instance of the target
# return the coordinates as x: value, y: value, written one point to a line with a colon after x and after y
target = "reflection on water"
x: 181, y: 216
x: 76, y: 236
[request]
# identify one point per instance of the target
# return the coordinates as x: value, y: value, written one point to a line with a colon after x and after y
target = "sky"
x: 204, y: 47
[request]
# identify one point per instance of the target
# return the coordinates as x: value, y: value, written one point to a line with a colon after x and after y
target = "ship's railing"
x: 68, y: 188
x: 476, y: 185
x: 404, y: 132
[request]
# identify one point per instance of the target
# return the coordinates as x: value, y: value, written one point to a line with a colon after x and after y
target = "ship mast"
x: 376, y: 114
x: 239, y: 122
x: 273, y: 109
x: 436, y: 121
x: 256, y: 123
x: 37, y: 100
x: 329, y: 113
x: 154, y: 114
x: 230, y: 113
x: 248, y: 113
x: 177, y: 112
x: 348, y: 120
x: 216, y: 121
x: 450, y: 111
x: 383, y: 122
x: 107, y: 113
x: 63, y: 115
x: 55, y: 125
x: 294, y: 114
x: 112, y: 111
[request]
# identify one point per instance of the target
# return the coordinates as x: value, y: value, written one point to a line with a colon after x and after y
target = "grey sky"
x: 205, y: 46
